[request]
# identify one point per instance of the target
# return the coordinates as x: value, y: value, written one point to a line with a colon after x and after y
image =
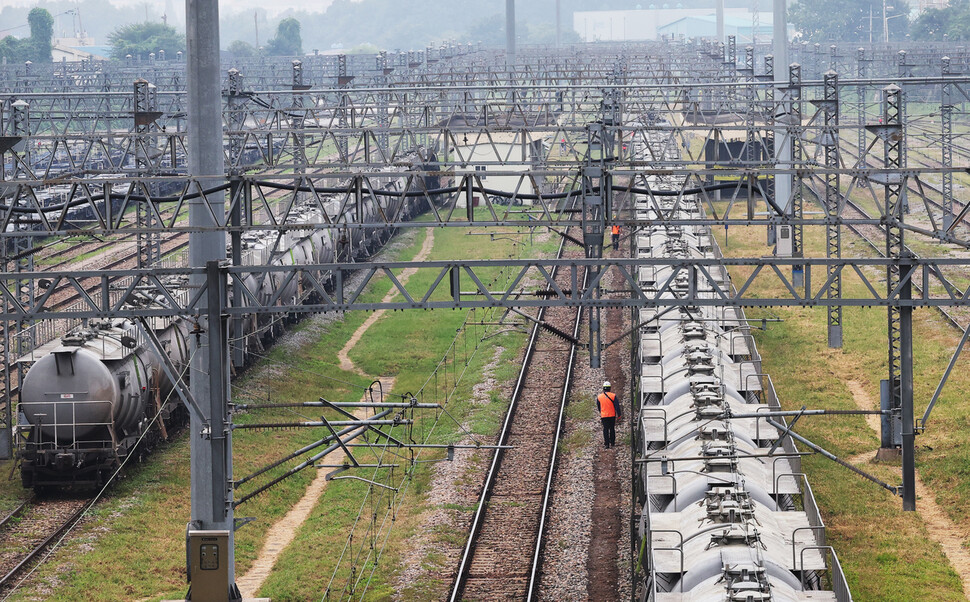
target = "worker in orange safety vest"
x: 616, y: 237
x: 609, y: 412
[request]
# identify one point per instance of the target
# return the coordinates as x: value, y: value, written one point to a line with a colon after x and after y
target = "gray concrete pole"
x: 510, y: 31
x: 205, y: 127
x: 783, y: 148
x: 719, y: 12
x: 779, y: 45
x: 211, y: 464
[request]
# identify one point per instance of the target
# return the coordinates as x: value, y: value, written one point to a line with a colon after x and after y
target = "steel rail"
x: 943, y: 311
x: 116, y: 263
x: 858, y: 232
x: 547, y: 493
x: 465, y: 565
x: 910, y: 186
x: 947, y: 316
x: 36, y: 551
x: 16, y: 512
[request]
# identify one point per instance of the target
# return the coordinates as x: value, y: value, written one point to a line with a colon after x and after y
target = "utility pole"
x: 897, y: 428
x: 906, y: 390
x: 946, y: 149
x: 149, y: 237
x: 719, y: 17
x: 755, y: 21
x: 510, y: 31
x: 861, y: 104
x: 210, y: 531
x: 795, y: 134
x: 597, y: 203
x: 768, y: 114
x: 833, y: 231
x: 885, y: 24
x: 241, y: 197
x: 783, y: 144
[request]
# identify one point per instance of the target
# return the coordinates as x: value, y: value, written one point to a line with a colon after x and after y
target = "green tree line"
x: 951, y: 23
x: 37, y: 48
x: 863, y: 20
x: 142, y: 39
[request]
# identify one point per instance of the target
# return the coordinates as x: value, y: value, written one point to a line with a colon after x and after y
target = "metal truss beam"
x: 445, y: 63
x: 894, y: 158
x: 796, y: 136
x: 342, y: 196
x: 946, y: 140
x: 833, y: 231
x: 380, y: 125
x: 460, y: 284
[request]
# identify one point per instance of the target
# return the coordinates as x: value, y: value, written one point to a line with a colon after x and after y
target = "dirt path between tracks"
x: 941, y: 529
x: 602, y: 563
x: 342, y: 355
x: 281, y: 534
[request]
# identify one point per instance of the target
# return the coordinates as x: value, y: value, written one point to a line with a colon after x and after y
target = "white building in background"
x: 502, y: 148
x: 706, y: 27
x: 78, y: 48
x: 645, y: 24
x: 69, y: 53
x: 922, y: 5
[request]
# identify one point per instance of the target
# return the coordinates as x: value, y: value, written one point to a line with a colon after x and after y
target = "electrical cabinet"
x: 209, y: 565
x: 783, y: 246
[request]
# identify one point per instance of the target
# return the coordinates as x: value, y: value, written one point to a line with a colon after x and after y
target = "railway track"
x: 170, y: 244
x: 30, y: 530
x: 63, y: 259
x: 948, y: 316
x: 913, y: 188
x: 67, y: 255
x: 118, y: 263
x: 502, y: 557
x: 861, y: 232
x: 16, y: 512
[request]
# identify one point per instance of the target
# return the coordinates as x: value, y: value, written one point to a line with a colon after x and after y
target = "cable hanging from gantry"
x: 87, y: 200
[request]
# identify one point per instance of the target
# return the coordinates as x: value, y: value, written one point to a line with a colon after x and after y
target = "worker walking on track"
x: 616, y: 237
x: 609, y: 412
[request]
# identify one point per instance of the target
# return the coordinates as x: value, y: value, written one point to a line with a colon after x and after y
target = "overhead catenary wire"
x: 168, y: 199
x: 404, y: 484
x: 349, y: 431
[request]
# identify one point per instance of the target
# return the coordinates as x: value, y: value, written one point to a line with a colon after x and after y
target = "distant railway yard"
x: 360, y: 326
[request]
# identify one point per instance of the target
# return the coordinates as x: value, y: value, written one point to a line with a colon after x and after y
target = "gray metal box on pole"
x: 209, y: 565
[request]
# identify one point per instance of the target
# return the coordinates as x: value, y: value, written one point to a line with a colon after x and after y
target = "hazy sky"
x: 241, y: 5
x: 226, y: 6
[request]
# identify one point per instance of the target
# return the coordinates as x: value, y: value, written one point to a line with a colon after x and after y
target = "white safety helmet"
x: 606, y: 384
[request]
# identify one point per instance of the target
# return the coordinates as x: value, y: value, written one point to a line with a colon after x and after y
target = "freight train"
x: 725, y: 515
x: 88, y: 399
